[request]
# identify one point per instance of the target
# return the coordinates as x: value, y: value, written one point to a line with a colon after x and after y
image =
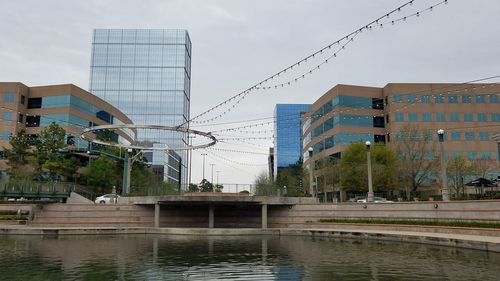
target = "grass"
x: 12, y: 218
x: 453, y: 223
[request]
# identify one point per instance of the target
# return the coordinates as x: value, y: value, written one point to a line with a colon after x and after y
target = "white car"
x: 107, y: 199
x: 375, y: 200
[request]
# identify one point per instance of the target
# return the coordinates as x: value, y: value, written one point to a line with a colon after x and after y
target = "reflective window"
x: 425, y: 99
x: 412, y: 117
x: 456, y: 154
x: 439, y: 98
x: 483, y: 136
x: 412, y: 98
x: 485, y: 155
x: 6, y: 135
x: 494, y: 98
x: 440, y: 117
x: 454, y: 117
x: 398, y: 117
x: 471, y: 155
x: 429, y: 155
x: 480, y: 99
x: 455, y: 136
x: 9, y: 97
x: 469, y: 136
x: 452, y: 99
x: 466, y: 99
x: 397, y: 98
x: 482, y: 117
x: 495, y: 117
x: 468, y: 117
x: 7, y: 116
x: 34, y: 103
x: 426, y: 117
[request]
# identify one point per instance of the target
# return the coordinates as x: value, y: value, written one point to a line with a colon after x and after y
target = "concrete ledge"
x: 476, y: 242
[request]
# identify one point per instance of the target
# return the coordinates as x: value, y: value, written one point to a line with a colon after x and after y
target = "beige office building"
x: 468, y: 113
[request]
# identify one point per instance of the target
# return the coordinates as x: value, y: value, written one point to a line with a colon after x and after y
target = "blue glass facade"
x: 287, y: 140
x: 146, y: 74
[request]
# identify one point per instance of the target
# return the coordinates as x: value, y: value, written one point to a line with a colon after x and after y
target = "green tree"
x: 218, y: 188
x: 102, y: 173
x: 193, y: 188
x: 206, y: 186
x: 354, y: 170
x: 19, y: 156
x: 264, y: 186
x: 49, y: 157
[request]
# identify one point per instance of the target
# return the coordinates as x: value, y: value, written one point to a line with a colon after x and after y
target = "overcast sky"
x: 238, y: 43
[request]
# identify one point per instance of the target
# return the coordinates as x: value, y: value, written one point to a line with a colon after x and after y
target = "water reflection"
x: 150, y: 257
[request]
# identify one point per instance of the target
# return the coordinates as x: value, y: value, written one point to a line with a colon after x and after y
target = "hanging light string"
x: 237, y: 151
x: 226, y: 163
x: 232, y: 161
x: 345, y: 39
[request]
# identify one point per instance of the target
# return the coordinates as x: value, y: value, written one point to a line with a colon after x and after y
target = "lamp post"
x: 203, y: 175
x: 212, y: 179
x: 444, y: 178
x: 311, y: 181
x: 369, y: 165
x: 217, y: 172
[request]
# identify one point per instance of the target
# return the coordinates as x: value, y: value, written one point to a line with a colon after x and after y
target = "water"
x: 157, y: 257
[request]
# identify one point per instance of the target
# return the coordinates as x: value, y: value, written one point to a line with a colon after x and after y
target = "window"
x: 20, y: 118
x: 493, y: 98
x: 425, y: 99
x: 439, y: 99
x: 454, y: 117
x: 412, y: 98
x: 428, y: 155
x: 412, y: 117
x: 480, y: 99
x: 397, y: 98
x: 34, y: 103
x: 6, y: 135
x: 32, y: 121
x: 483, y: 136
x: 440, y: 117
x: 7, y: 116
x: 399, y: 117
x: 387, y: 119
x: 469, y: 136
x: 23, y: 99
x: 400, y: 135
x: 481, y: 117
x: 452, y: 98
x: 9, y: 97
x: 426, y: 117
x: 495, y: 117
x: 378, y: 122
x: 471, y: 155
x: 485, y: 155
x: 466, y: 99
x: 377, y: 103
x: 456, y: 154
x: 428, y: 136
x: 455, y: 136
x: 468, y: 117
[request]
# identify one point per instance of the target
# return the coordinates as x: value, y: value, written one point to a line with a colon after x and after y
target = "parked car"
x: 375, y: 200
x: 107, y: 199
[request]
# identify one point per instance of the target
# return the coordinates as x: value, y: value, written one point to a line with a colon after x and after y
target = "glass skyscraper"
x: 288, y: 131
x: 146, y: 73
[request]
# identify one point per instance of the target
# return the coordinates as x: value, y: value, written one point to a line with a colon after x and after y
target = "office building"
x: 469, y: 114
x: 146, y: 73
x: 287, y: 138
x: 33, y: 108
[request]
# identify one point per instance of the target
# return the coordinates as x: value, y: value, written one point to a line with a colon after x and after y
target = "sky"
x: 239, y: 43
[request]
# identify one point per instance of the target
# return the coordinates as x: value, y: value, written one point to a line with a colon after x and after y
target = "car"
x: 107, y: 199
x: 375, y: 200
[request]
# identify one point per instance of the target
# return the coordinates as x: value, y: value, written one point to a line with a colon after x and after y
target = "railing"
x: 31, y: 189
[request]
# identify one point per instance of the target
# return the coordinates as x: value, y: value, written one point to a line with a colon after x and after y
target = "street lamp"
x: 369, y: 164
x: 212, y: 179
x: 311, y: 182
x: 444, y: 178
x: 203, y: 154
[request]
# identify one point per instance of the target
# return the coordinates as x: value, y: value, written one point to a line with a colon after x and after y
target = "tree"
x: 218, y: 187
x: 18, y: 157
x: 354, y: 170
x: 415, y: 149
x: 457, y: 169
x: 264, y: 185
x: 206, y: 186
x: 49, y: 159
x: 193, y: 188
x: 102, y: 173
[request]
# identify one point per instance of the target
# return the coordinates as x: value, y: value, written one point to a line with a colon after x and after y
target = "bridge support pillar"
x: 157, y: 215
x: 210, y: 216
x: 264, y: 216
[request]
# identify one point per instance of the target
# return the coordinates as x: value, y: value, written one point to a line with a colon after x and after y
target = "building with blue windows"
x: 288, y: 131
x: 146, y: 73
x: 469, y: 114
x: 33, y: 108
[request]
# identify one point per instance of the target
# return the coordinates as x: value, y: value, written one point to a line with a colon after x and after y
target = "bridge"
x: 36, y: 190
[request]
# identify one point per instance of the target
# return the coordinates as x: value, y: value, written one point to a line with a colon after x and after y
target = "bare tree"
x: 417, y: 156
x: 457, y: 169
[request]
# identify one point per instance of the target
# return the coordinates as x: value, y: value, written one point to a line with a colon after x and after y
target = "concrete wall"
x: 485, y: 210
